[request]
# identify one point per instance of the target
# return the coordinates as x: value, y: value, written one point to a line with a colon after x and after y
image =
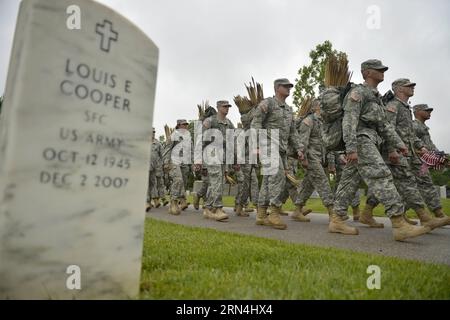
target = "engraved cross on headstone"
x: 107, y: 34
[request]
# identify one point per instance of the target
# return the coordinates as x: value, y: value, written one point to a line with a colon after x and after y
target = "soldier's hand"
x: 305, y: 163
x: 332, y: 169
x: 342, y: 160
x: 352, y: 157
x: 422, y: 151
x: 236, y: 167
x: 197, y: 167
x: 403, y: 150
x: 300, y: 155
x: 394, y: 157
x: 166, y: 168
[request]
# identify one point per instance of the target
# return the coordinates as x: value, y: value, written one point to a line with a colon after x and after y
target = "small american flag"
x: 433, y: 159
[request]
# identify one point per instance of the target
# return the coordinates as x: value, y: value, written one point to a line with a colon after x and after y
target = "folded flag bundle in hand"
x: 433, y: 159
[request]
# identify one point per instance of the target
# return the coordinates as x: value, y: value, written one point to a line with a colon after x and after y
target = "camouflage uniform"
x: 216, y: 172
x: 363, y: 124
x: 398, y: 115
x: 274, y: 114
x: 246, y: 176
x: 205, y: 181
x: 423, y: 133
x: 310, y: 133
x: 155, y: 169
x: 334, y: 161
x: 424, y: 182
x: 177, y: 185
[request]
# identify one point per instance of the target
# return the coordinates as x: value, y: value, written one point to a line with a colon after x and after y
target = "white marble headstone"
x: 74, y: 152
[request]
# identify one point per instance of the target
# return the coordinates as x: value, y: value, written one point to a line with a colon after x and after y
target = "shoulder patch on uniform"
x: 308, y: 121
x: 391, y: 108
x: 355, y: 95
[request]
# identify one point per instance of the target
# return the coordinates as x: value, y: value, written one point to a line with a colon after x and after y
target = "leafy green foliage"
x: 311, y: 77
x: 441, y: 178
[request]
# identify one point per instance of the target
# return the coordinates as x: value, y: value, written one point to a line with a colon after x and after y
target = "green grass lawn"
x: 317, y: 206
x: 182, y: 262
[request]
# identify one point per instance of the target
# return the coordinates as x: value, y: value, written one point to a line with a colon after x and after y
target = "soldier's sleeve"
x: 391, y: 113
x: 304, y: 132
x: 418, y: 143
x: 352, y: 110
x: 390, y: 136
x: 260, y: 114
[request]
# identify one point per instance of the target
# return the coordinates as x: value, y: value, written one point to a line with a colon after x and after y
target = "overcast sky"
x: 210, y: 48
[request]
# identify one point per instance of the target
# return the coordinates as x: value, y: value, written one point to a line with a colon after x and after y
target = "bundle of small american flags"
x: 433, y: 159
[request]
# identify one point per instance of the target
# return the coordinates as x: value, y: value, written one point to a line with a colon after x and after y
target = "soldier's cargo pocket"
x: 371, y: 164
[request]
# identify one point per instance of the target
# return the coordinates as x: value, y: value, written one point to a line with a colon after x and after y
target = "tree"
x: 311, y: 76
x: 441, y: 178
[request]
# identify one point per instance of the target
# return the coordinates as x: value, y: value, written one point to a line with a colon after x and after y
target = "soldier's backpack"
x: 332, y: 111
x: 388, y: 96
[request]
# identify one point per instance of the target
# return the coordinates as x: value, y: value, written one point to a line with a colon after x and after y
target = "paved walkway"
x: 432, y: 247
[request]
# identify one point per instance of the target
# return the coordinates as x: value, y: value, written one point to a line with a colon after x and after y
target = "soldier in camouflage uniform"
x: 246, y: 177
x: 336, y: 163
x: 363, y: 125
x: 398, y: 114
x: 310, y: 133
x: 173, y: 168
x: 216, y: 172
x: 155, y: 167
x: 425, y: 184
x: 186, y: 169
x: 275, y: 114
x: 209, y: 111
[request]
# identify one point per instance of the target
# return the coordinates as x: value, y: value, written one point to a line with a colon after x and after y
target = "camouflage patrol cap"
x: 282, y: 82
x: 223, y: 103
x: 422, y: 107
x: 402, y: 82
x: 373, y: 64
x: 182, y: 121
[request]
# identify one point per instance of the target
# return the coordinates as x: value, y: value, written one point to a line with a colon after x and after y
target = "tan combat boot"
x: 427, y: 220
x: 439, y: 213
x: 165, y: 202
x: 240, y: 211
x: 298, y: 214
x: 366, y: 217
x: 184, y: 204
x: 411, y: 222
x: 208, y: 213
x: 173, y: 207
x: 403, y: 230
x: 261, y: 216
x: 355, y: 213
x: 220, y: 215
x: 148, y: 206
x: 275, y: 219
x: 156, y: 202
x: 196, y: 201
x: 337, y: 224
